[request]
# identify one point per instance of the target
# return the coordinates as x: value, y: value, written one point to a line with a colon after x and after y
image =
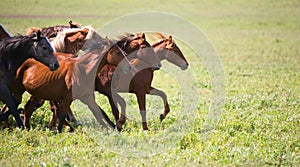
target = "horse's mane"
x: 16, y: 42
x: 11, y: 48
x: 123, y: 40
x: 58, y: 43
x: 161, y: 38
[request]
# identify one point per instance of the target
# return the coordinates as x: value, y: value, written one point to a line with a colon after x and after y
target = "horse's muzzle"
x: 54, y: 66
x: 157, y: 67
x: 184, y: 66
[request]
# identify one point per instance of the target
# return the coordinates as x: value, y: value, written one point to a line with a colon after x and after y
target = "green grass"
x: 259, y: 47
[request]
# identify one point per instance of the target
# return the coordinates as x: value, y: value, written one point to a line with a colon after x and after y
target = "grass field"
x: 258, y: 43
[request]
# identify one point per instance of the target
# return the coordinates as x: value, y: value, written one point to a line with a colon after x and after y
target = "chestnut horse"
x: 135, y: 46
x: 139, y: 81
x: 71, y: 81
x: 67, y: 41
x: 13, y: 52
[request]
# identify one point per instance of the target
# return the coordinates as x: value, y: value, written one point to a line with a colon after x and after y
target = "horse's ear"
x: 107, y: 41
x: 170, y: 38
x: 70, y: 23
x: 143, y: 36
x: 74, y: 24
x: 38, y: 35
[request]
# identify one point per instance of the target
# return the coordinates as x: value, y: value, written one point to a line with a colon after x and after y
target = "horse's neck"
x: 91, y: 62
x: 15, y: 58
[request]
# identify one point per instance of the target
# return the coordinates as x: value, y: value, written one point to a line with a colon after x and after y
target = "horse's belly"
x: 47, y: 89
x: 45, y: 84
x: 50, y: 92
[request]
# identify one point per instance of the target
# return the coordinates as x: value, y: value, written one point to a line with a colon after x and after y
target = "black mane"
x: 14, y: 50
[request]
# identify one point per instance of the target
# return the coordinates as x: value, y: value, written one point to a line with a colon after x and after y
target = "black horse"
x: 13, y: 52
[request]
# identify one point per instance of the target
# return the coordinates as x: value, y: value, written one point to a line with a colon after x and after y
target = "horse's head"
x: 166, y: 48
x: 43, y: 52
x: 136, y: 46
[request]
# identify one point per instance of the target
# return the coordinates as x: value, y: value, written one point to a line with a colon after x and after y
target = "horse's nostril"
x: 56, y: 65
x: 185, y: 66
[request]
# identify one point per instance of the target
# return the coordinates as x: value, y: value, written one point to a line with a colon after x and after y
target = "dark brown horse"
x: 13, y: 52
x: 139, y: 81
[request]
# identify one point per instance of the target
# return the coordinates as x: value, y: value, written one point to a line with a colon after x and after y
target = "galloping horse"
x: 140, y: 84
x: 75, y: 73
x: 69, y: 40
x: 133, y: 45
x: 13, y: 52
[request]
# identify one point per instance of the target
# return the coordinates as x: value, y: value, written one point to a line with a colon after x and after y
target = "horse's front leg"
x: 96, y: 110
x: 114, y: 107
x: 162, y: 94
x: 10, y: 101
x: 141, y: 98
x: 117, y: 99
x: 29, y: 108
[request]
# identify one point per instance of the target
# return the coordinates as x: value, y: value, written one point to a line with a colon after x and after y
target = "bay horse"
x: 139, y: 81
x: 13, y: 52
x: 135, y: 47
x: 75, y: 73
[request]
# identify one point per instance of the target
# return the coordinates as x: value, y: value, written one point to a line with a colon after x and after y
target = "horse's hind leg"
x: 70, y: 115
x: 162, y: 94
x: 3, y: 110
x: 62, y: 114
x: 9, y: 100
x: 54, y: 108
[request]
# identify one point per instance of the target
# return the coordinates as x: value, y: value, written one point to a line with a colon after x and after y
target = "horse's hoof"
x: 72, y: 130
x: 21, y: 110
x: 161, y: 117
x: 119, y: 128
x: 77, y: 123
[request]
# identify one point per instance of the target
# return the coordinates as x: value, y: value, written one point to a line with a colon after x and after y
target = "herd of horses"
x: 66, y: 62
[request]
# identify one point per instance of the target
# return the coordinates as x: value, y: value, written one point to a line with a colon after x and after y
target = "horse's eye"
x: 44, y: 47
